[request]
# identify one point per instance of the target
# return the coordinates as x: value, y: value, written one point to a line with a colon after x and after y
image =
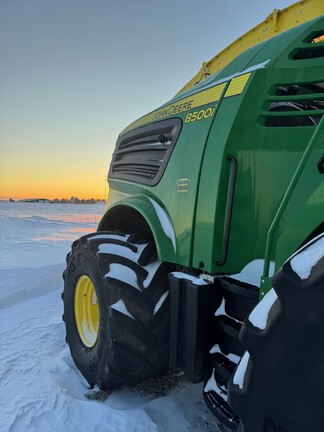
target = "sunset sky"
x: 74, y: 73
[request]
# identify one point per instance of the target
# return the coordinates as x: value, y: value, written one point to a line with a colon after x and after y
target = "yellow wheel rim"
x: 86, y: 311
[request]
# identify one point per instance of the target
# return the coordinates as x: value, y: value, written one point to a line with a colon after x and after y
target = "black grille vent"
x: 142, y: 155
x: 309, y: 53
x: 296, y: 105
x: 314, y: 48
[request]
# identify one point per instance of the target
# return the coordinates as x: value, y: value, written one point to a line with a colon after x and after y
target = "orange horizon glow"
x: 51, y: 192
x: 93, y: 189
x: 31, y: 178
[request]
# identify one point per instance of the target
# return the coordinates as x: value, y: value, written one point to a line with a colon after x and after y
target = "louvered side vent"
x: 315, y: 48
x: 142, y: 155
x: 295, y: 105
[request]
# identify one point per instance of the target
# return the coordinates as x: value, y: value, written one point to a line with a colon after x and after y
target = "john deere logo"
x: 183, y: 185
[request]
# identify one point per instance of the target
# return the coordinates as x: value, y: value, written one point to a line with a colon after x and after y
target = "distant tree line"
x: 72, y: 200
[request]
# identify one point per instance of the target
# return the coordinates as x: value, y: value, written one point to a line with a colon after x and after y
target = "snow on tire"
x: 116, y: 309
x: 279, y: 384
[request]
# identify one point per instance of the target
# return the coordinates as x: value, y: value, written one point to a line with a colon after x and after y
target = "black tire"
x: 279, y: 383
x: 131, y: 287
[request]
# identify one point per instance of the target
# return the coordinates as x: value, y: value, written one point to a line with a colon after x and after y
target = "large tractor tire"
x: 116, y: 309
x: 279, y: 383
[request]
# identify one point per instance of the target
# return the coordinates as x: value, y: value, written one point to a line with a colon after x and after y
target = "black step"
x: 228, y: 331
x: 220, y: 408
x: 192, y: 309
x: 240, y: 297
x: 284, y: 381
x: 223, y: 368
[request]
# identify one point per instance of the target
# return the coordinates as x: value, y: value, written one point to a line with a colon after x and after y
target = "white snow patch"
x: 160, y: 302
x: 165, y: 222
x: 120, y: 250
x: 194, y: 279
x: 121, y: 307
x: 303, y: 262
x: 221, y: 312
x: 99, y: 236
x: 212, y: 386
x: 90, y: 333
x: 221, y: 309
x: 239, y: 375
x: 259, y: 316
x: 124, y: 274
x: 151, y: 269
x: 233, y: 357
x: 28, y: 231
x: 253, y: 271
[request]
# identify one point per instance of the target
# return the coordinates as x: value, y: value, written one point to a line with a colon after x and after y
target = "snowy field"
x: 40, y: 388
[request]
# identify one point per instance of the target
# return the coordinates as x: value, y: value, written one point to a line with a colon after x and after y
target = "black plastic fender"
x: 279, y: 384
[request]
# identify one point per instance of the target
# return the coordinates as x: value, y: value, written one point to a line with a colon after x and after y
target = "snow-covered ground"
x: 40, y: 388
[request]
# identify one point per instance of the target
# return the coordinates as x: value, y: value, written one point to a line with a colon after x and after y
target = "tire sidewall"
x: 83, y: 262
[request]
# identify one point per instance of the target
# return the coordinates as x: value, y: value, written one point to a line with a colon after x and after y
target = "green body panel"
x: 267, y: 158
x: 180, y: 207
x: 304, y: 212
x: 161, y: 228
